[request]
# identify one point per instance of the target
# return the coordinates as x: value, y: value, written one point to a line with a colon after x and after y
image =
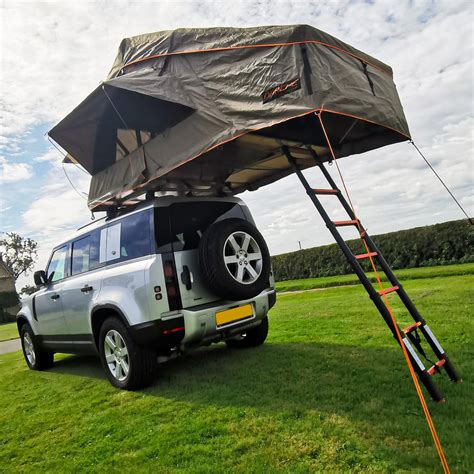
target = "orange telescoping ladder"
x: 408, y: 336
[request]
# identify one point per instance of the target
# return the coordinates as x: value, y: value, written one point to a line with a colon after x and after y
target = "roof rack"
x: 90, y: 223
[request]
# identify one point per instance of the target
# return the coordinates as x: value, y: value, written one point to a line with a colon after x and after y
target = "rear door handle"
x: 86, y: 289
x: 187, y: 278
x: 55, y: 297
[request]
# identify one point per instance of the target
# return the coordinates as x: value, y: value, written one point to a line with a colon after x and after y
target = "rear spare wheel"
x: 234, y: 259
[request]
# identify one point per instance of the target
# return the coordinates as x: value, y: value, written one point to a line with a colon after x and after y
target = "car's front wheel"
x: 35, y: 357
x: 128, y: 366
x: 252, y: 338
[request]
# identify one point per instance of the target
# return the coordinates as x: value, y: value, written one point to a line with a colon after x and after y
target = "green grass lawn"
x: 8, y: 331
x: 329, y: 391
x: 351, y: 279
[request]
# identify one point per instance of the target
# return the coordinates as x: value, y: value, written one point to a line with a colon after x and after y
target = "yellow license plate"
x: 234, y: 314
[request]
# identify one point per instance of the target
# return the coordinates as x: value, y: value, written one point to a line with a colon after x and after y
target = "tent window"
x: 129, y: 140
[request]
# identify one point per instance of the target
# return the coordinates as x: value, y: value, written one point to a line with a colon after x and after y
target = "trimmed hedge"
x: 8, y: 299
x: 439, y: 244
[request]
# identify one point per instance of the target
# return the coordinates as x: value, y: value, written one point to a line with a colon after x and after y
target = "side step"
x: 366, y: 255
x: 388, y: 290
x: 326, y: 191
x: 345, y: 223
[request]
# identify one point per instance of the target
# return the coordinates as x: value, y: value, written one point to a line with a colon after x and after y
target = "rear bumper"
x: 197, y: 326
x: 162, y: 333
x: 200, y: 322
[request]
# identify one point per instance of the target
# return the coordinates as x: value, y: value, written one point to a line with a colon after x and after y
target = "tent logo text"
x: 282, y: 89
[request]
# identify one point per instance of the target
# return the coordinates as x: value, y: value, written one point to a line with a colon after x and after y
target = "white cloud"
x: 52, y: 155
x: 11, y: 172
x: 53, y: 55
x: 55, y: 213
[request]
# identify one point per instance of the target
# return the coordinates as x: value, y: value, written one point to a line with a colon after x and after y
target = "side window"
x: 85, y: 253
x: 58, y: 267
x: 94, y: 251
x: 80, y: 255
x: 126, y: 239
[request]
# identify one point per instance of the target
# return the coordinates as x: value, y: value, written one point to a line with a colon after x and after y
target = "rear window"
x: 189, y: 220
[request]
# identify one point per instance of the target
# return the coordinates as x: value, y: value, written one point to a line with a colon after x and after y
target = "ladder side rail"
x: 412, y: 309
x: 394, y: 281
x: 374, y: 295
x: 332, y: 183
x: 432, y: 341
x: 418, y: 366
x: 372, y: 247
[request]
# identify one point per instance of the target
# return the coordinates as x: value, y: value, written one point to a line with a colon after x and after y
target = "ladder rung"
x: 326, y: 191
x: 413, y: 326
x: 366, y: 255
x: 345, y: 223
x: 438, y: 364
x: 388, y: 290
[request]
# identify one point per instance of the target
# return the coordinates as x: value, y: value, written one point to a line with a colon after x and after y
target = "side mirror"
x: 40, y: 278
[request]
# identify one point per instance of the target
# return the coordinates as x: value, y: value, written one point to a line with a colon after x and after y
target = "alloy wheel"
x: 243, y: 257
x: 116, y: 355
x: 29, y: 348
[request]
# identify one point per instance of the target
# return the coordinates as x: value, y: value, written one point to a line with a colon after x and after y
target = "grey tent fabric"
x: 207, y: 110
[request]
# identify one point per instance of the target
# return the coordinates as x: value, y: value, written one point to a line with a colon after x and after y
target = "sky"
x: 52, y: 54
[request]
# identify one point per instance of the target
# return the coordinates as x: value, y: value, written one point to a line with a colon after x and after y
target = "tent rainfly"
x: 206, y: 111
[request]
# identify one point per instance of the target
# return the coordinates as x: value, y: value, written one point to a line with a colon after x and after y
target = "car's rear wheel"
x: 252, y: 338
x: 234, y: 259
x: 35, y: 357
x: 127, y: 365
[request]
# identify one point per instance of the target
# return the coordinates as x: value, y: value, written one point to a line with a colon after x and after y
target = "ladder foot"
x: 450, y: 370
x: 431, y: 387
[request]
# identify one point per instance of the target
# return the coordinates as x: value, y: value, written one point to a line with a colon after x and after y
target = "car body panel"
x: 124, y: 286
x: 195, y: 292
x: 77, y: 303
x: 49, y: 310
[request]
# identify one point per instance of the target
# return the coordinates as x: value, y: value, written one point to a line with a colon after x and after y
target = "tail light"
x: 172, y: 286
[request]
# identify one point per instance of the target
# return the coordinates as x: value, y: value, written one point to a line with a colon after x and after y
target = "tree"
x: 28, y: 290
x: 19, y: 254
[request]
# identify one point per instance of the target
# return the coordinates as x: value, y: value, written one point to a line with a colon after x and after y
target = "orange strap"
x: 429, y: 420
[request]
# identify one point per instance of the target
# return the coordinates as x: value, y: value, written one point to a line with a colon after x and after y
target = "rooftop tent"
x: 207, y: 110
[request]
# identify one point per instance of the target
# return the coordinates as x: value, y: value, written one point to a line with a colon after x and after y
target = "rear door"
x: 189, y: 220
x: 83, y: 286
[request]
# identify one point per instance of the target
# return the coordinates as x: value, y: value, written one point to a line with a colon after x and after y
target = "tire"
x: 252, y: 338
x: 234, y: 259
x: 141, y: 362
x: 35, y: 357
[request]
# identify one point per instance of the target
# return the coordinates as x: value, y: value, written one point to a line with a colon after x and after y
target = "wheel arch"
x: 21, y: 320
x: 100, y: 314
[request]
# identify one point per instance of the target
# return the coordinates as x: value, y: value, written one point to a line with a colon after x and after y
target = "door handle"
x: 186, y: 277
x: 55, y: 297
x: 86, y: 289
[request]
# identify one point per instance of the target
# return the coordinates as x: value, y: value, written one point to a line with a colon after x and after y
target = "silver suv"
x: 149, y: 283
